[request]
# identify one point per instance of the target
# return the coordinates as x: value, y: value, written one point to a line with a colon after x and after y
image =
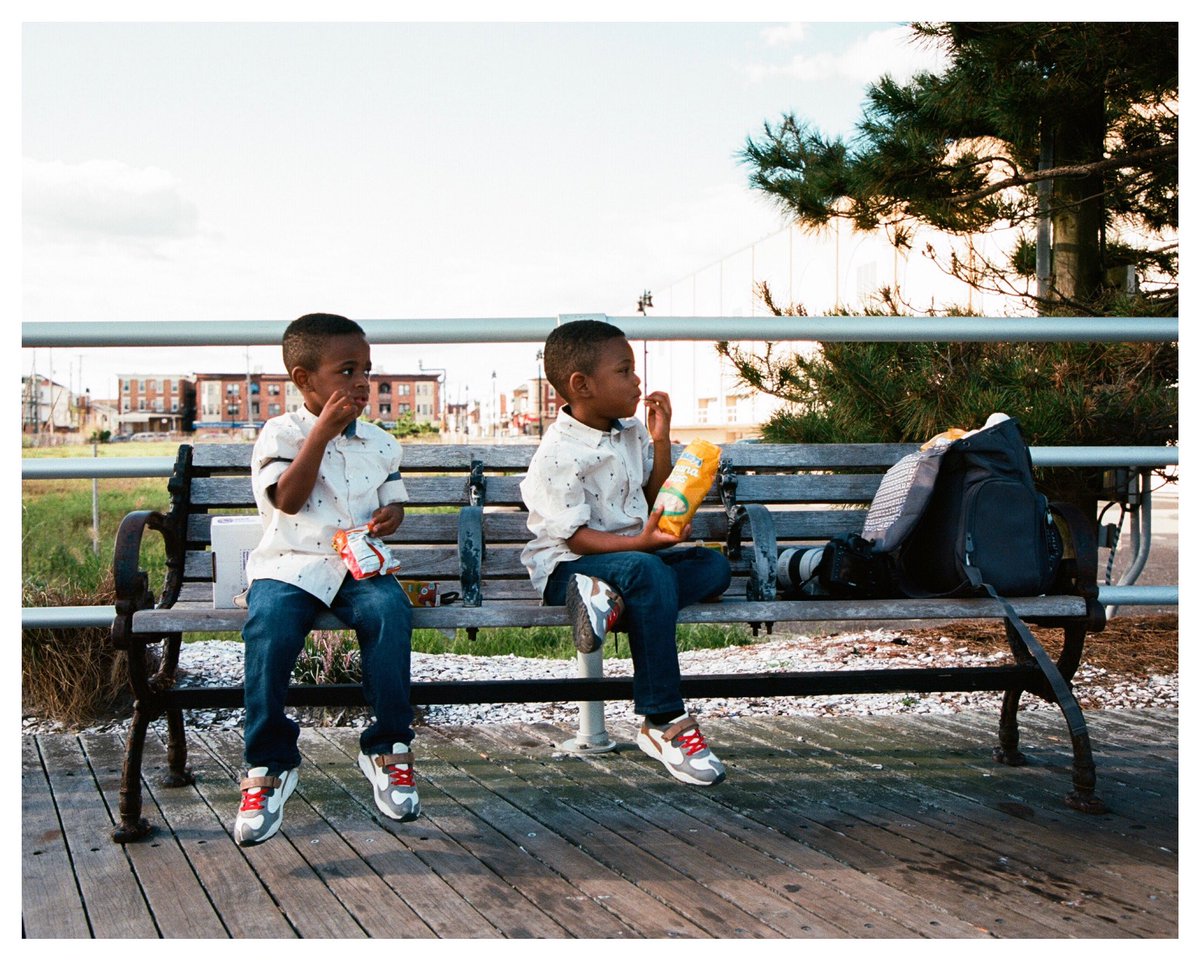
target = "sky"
x: 258, y: 171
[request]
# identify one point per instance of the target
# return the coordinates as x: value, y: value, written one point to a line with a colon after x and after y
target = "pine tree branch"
x: 1075, y: 170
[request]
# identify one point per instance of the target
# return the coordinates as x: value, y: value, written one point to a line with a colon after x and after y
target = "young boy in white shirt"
x: 596, y: 546
x: 315, y: 470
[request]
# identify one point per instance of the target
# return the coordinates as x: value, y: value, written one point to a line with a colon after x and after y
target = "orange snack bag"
x: 364, y: 555
x: 421, y: 593
x: 687, y: 484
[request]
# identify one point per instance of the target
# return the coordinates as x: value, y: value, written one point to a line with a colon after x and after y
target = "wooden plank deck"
x: 891, y: 827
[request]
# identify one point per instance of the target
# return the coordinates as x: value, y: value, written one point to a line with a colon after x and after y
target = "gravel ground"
x: 1120, y: 685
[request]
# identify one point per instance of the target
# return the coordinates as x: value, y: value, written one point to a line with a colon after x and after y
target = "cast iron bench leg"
x: 178, y: 774
x: 133, y: 825
x: 1056, y: 689
x: 1008, y: 752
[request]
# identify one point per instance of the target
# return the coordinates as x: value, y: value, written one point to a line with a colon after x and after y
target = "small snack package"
x: 686, y: 486
x: 421, y: 593
x: 364, y: 554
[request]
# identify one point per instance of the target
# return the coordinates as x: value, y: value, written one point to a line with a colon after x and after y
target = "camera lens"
x: 796, y: 565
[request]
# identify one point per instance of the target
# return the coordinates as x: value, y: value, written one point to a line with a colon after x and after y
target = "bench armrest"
x: 763, y: 557
x: 761, y: 585
x: 130, y: 582
x: 471, y: 551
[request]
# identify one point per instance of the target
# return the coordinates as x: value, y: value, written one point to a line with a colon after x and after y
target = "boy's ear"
x: 299, y: 377
x: 578, y: 385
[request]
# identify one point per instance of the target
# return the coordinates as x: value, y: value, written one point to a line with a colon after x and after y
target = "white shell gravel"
x: 219, y: 662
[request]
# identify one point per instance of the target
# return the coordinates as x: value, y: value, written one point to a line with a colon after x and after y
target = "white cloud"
x: 784, y: 34
x: 895, y: 51
x: 103, y: 199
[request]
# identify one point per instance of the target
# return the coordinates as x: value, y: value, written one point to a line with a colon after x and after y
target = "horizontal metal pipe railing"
x: 535, y: 329
x: 87, y: 468
x: 83, y: 468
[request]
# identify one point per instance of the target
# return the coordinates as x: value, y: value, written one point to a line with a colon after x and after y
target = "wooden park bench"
x: 766, y: 497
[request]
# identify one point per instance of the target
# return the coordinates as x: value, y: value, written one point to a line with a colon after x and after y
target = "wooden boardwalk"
x: 895, y: 826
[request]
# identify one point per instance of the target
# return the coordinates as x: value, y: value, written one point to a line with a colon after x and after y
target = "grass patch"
x: 56, y: 532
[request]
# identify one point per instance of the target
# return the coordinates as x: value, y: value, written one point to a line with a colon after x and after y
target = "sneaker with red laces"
x: 593, y: 607
x: 391, y: 776
x: 682, y: 749
x: 261, y: 811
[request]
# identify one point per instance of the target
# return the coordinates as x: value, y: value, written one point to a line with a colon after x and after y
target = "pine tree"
x: 1088, y: 111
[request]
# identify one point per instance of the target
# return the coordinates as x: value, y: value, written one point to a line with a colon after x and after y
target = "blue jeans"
x: 655, y: 587
x: 281, y: 615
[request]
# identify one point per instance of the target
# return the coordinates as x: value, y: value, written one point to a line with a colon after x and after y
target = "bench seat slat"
x: 189, y: 617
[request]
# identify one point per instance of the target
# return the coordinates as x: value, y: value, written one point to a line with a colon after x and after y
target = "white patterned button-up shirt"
x: 580, y: 477
x: 359, y: 473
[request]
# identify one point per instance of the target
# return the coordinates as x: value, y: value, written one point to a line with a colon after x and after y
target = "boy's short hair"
x: 304, y: 339
x: 575, y: 347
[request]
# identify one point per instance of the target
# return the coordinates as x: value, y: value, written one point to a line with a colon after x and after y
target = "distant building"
x: 233, y: 401
x: 163, y: 404
x: 98, y: 416
x: 529, y: 417
x: 46, y: 406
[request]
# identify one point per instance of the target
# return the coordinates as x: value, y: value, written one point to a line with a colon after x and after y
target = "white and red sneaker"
x: 682, y: 749
x: 592, y: 607
x: 261, y: 811
x: 391, y: 776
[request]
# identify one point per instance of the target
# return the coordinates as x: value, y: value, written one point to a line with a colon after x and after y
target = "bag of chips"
x: 687, y: 485
x: 364, y: 555
x: 421, y: 593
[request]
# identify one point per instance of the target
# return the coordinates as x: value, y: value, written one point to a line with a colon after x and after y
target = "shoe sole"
x: 581, y: 624
x: 365, y: 765
x: 651, y: 751
x: 289, y: 788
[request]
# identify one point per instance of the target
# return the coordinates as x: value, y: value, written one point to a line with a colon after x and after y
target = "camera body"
x: 845, y: 567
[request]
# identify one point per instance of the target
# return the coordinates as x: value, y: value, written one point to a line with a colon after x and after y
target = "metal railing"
x: 535, y: 329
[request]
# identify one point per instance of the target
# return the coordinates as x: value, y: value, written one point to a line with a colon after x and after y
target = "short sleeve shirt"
x: 583, y: 477
x: 359, y: 473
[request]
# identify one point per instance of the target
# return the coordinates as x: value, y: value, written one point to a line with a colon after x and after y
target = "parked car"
x: 149, y: 435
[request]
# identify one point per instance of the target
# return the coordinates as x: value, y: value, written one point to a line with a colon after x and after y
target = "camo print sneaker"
x: 261, y: 812
x: 592, y: 607
x: 391, y: 776
x: 683, y: 751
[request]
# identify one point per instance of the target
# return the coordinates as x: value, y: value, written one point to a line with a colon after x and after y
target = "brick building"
x: 229, y: 401
x: 156, y: 404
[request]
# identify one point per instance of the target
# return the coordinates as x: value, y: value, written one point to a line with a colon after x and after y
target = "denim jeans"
x: 655, y: 587
x: 281, y: 616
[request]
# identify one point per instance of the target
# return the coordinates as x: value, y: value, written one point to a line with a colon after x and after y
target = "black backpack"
x: 965, y: 513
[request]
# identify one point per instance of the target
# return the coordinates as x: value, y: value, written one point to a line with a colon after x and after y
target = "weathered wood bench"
x: 766, y: 497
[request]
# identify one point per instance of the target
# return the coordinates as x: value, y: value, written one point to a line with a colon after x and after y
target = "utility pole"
x: 539, y: 360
